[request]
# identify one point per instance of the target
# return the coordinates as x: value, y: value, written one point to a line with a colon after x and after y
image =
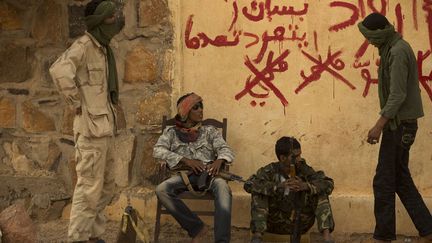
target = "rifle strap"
x: 183, y: 174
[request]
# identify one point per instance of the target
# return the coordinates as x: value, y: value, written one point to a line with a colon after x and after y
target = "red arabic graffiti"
x: 369, y: 80
x: 202, y: 40
x: 278, y: 35
x: 414, y: 13
x: 427, y: 7
x: 332, y: 65
x: 265, y: 76
x: 424, y: 80
x: 274, y: 44
x: 235, y: 15
x: 357, y: 11
x: 258, y: 11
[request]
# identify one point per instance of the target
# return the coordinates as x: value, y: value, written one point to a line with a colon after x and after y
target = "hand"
x: 213, y: 168
x: 196, y: 165
x: 78, y: 111
x: 295, y: 184
x: 374, y: 134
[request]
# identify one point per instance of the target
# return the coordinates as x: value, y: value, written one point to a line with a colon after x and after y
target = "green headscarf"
x: 383, y: 39
x: 103, y: 33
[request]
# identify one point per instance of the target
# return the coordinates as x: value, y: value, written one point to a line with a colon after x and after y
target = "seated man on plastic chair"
x: 273, y: 190
x: 201, y: 148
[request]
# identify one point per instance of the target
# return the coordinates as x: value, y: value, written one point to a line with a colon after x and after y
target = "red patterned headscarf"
x: 184, y: 107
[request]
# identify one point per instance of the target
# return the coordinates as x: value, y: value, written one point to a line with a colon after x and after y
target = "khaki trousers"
x: 94, y: 188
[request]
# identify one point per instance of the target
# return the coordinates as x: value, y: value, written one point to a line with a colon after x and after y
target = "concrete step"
x: 353, y: 213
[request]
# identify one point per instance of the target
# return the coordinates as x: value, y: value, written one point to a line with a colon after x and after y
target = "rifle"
x: 295, y: 234
x: 205, y: 179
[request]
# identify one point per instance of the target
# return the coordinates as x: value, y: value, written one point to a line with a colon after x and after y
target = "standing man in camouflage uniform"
x: 86, y: 77
x: 272, y: 204
x: 200, y: 148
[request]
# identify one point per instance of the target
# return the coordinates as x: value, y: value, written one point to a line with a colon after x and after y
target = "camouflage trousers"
x: 94, y: 188
x: 276, y: 214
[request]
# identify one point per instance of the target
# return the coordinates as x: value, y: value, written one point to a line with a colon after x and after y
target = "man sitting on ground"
x: 273, y: 200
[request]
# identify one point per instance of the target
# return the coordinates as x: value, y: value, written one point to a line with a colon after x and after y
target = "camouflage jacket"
x: 209, y: 146
x: 273, y: 211
x: 267, y: 179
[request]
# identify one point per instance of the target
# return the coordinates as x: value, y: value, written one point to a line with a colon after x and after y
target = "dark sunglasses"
x: 197, y: 106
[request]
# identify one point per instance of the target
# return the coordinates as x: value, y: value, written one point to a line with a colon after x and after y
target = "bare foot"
x: 200, y: 235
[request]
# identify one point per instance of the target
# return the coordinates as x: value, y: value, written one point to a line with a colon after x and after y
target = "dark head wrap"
x: 375, y: 21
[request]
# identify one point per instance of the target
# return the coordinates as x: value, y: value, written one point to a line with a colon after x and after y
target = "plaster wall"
x: 325, y: 96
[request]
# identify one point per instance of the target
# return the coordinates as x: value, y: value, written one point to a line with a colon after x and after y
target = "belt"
x: 409, y: 121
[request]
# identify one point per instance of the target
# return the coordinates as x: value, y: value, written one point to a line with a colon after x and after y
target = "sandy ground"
x: 55, y: 232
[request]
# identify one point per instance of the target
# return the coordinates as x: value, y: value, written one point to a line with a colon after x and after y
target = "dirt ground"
x: 55, y: 232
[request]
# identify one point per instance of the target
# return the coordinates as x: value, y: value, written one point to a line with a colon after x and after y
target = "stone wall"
x: 36, y: 137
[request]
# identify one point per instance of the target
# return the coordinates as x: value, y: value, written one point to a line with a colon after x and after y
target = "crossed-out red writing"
x: 262, y: 81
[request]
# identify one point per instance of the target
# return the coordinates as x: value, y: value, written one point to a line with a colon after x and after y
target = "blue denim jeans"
x: 167, y: 192
x: 393, y: 177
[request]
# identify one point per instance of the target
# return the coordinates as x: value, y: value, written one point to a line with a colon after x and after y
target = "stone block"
x: 168, y: 66
x: 66, y: 211
x: 55, y: 210
x: 41, y: 200
x: 72, y: 170
x: 125, y: 147
x: 130, y: 100
x: 17, y: 225
x: 7, y: 113
x: 152, y: 12
x: 140, y: 66
x: 149, y: 165
x: 151, y: 110
x: 17, y: 159
x: 5, y: 170
x: 67, y: 141
x: 9, y: 18
x: 18, y: 91
x: 43, y: 208
x: 67, y: 122
x: 77, y: 25
x: 45, y: 57
x: 43, y: 151
x: 15, y: 64
x: 20, y: 186
x: 49, y: 25
x: 53, y: 158
x: 35, y: 121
